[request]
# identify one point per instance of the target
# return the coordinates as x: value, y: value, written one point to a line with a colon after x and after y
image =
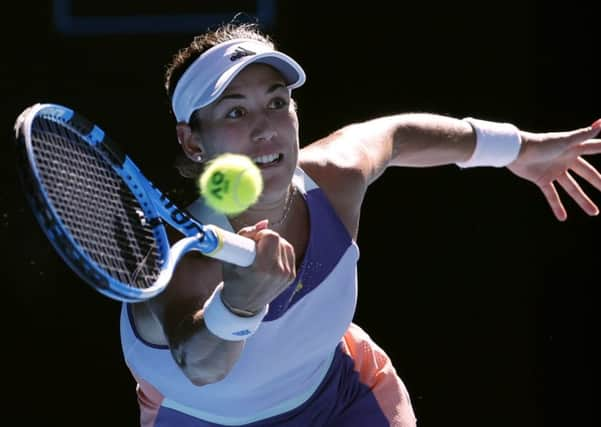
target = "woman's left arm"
x: 423, y: 140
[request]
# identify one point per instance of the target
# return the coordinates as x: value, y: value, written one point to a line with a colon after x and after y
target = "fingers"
x: 587, y: 132
x: 577, y: 136
x: 554, y: 201
x: 275, y: 255
x: 279, y: 251
x: 569, y: 149
x: 272, y: 271
x: 289, y: 261
x: 575, y: 192
x: 252, y: 230
x: 588, y: 172
x: 592, y: 146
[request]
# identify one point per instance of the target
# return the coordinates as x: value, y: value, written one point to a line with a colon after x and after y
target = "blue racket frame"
x: 155, y: 206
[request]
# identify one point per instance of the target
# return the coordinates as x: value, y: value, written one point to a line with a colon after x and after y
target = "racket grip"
x: 232, y: 247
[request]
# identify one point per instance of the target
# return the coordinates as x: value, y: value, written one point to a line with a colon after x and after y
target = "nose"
x: 262, y: 130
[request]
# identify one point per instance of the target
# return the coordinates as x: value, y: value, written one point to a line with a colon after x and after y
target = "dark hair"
x: 187, y: 55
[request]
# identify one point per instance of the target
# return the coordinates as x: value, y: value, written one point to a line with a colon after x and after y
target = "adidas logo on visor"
x: 240, y: 52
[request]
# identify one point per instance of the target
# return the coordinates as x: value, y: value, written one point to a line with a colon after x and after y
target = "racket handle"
x: 231, y: 247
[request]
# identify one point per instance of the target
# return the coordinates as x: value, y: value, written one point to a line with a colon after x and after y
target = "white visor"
x: 208, y: 76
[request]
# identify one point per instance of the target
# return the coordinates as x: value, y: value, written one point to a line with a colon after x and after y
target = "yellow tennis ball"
x: 231, y: 183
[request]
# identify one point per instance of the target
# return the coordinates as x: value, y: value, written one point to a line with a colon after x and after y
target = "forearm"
x: 202, y: 356
x: 411, y: 139
x: 422, y: 140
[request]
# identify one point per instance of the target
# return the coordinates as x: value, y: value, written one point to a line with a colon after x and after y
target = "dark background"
x: 481, y: 298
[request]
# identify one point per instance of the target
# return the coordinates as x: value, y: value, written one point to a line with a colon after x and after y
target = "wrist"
x: 237, y: 302
x: 497, y: 144
x: 237, y: 311
x: 225, y: 324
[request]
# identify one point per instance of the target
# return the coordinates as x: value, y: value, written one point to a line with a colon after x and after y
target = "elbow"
x: 205, y: 378
x: 206, y: 362
x: 205, y: 371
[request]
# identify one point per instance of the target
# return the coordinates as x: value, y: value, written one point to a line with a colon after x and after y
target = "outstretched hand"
x: 547, y: 159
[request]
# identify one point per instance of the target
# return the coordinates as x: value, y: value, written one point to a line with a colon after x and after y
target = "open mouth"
x: 268, y: 160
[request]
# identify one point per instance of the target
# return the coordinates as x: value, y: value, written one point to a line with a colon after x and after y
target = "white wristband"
x: 497, y: 144
x: 225, y: 324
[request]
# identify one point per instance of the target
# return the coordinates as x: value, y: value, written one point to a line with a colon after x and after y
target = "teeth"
x: 266, y: 159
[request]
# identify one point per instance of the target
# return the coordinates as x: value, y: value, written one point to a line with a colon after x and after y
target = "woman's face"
x: 255, y: 116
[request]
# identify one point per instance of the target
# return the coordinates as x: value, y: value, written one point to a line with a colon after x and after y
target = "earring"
x: 198, y: 157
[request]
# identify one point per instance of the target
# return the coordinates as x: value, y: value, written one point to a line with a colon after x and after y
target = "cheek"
x: 295, y: 125
x: 288, y: 125
x: 221, y: 140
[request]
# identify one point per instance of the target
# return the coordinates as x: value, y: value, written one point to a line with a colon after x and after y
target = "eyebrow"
x: 269, y: 91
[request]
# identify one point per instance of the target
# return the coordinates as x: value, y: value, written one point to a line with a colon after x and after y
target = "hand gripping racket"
x: 104, y: 218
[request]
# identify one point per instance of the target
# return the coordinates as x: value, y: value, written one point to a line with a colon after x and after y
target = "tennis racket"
x: 104, y: 218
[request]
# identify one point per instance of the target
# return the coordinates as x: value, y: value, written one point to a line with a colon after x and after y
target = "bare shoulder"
x: 338, y: 172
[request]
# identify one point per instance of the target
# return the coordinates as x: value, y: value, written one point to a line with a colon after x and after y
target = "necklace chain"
x: 289, y: 199
x: 288, y: 204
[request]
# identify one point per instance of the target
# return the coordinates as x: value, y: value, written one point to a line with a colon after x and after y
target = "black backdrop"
x: 482, y: 299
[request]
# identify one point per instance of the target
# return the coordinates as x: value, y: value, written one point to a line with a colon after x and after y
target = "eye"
x: 278, y: 103
x: 235, y: 113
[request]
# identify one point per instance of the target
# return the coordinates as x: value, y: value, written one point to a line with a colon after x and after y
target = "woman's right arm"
x: 201, y: 355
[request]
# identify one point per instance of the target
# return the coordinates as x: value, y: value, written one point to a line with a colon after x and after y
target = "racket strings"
x: 95, y: 205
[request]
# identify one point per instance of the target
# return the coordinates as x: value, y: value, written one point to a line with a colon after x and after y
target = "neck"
x: 276, y: 213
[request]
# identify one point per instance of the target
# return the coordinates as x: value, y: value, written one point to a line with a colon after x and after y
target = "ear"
x: 189, y: 141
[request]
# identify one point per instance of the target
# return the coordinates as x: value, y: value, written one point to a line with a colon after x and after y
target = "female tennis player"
x: 273, y: 344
